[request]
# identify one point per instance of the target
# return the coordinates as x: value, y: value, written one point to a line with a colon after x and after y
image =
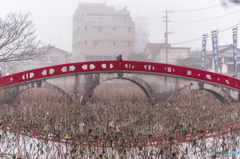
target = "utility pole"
x: 166, y: 33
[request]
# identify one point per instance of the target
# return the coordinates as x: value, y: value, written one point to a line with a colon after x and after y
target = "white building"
x: 157, y: 52
x: 225, y: 55
x: 101, y: 33
x: 55, y: 57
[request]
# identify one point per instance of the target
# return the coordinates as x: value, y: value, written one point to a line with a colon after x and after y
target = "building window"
x: 114, y: 28
x: 85, y: 27
x: 110, y: 57
x: 44, y: 60
x: 99, y: 58
x: 85, y: 42
x: 54, y: 59
x: 129, y: 43
x: 114, y: 43
x: 97, y: 29
x: 130, y: 29
x: 124, y: 18
x: 89, y: 58
x: 97, y: 43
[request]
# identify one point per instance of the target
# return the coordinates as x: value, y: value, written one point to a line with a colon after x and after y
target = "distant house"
x: 55, y: 57
x: 157, y: 52
x: 195, y: 54
x: 194, y: 59
x: 225, y: 55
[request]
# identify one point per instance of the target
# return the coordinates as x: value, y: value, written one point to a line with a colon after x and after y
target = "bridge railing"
x: 182, y: 72
x: 120, y: 65
x: 59, y: 70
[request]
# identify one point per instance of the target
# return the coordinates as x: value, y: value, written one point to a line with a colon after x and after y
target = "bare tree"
x: 12, y: 67
x: 18, y: 40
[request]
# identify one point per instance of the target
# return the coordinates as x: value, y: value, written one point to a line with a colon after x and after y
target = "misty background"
x: 190, y: 19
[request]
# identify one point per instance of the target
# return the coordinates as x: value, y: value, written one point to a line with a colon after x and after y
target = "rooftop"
x: 156, y: 47
x: 95, y: 6
x: 221, y: 49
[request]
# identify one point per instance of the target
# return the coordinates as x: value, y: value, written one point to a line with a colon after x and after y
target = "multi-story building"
x: 101, y: 33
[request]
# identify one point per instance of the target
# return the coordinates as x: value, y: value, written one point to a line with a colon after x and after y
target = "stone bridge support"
x: 83, y: 85
x: 220, y: 93
x: 100, y: 78
x: 10, y: 93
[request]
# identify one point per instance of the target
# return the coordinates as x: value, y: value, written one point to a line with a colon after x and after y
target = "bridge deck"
x: 120, y: 66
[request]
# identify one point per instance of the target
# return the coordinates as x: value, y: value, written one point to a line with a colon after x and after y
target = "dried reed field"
x: 118, y: 122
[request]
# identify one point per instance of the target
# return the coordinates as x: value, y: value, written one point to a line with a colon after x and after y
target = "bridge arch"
x: 134, y: 79
x: 218, y: 92
x: 17, y: 90
x: 217, y: 95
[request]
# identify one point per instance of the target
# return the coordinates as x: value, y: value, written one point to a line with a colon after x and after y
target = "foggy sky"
x: 53, y: 19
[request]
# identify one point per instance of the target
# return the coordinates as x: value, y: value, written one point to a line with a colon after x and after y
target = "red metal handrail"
x: 120, y: 65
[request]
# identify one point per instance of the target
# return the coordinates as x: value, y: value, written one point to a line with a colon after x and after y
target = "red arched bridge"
x: 107, y: 70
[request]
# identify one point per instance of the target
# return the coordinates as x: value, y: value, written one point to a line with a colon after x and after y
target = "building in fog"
x: 55, y: 57
x: 157, y: 52
x: 101, y: 33
x: 141, y: 34
x: 225, y: 55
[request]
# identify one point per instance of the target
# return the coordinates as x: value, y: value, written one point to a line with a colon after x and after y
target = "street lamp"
x: 220, y: 64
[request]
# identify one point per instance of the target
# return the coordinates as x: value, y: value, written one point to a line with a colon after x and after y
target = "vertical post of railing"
x: 234, y: 145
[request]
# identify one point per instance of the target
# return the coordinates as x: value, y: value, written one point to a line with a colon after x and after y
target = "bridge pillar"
x: 201, y: 86
x: 218, y: 92
x: 39, y: 83
x: 177, y: 86
x: 76, y: 87
x: 10, y: 93
x: 32, y: 84
x: 120, y: 75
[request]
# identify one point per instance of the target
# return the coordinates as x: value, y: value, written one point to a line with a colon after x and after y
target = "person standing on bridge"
x: 119, y: 57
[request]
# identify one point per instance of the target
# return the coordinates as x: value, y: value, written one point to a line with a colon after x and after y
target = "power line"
x: 151, y: 22
x: 197, y: 9
x: 207, y: 19
x: 166, y: 33
x: 148, y: 24
x: 187, y: 41
x: 201, y: 37
x: 229, y: 27
x: 222, y: 40
x: 161, y: 41
x: 146, y: 18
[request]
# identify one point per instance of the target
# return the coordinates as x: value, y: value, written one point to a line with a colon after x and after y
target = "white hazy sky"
x: 53, y: 19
